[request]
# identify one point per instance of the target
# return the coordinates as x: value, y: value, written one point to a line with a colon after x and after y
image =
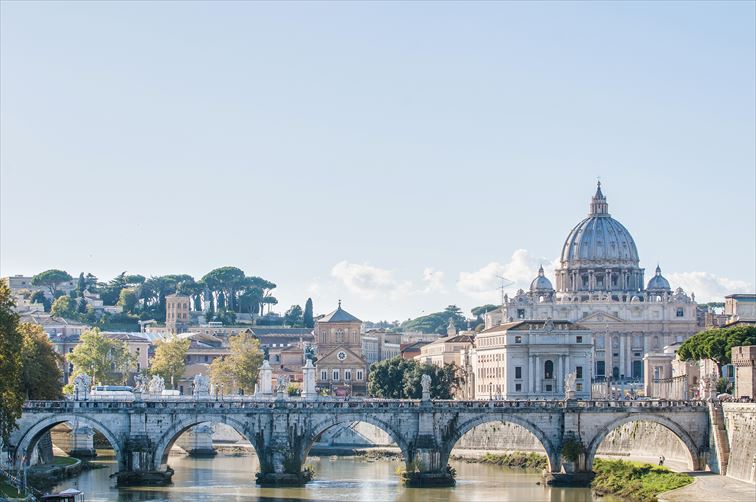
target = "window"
x: 335, y: 375
x: 518, y: 387
x: 347, y: 375
x: 323, y: 375
x: 680, y: 312
x: 548, y: 370
x: 139, y: 367
x: 359, y: 375
x: 578, y: 372
x: 638, y: 369
x: 548, y: 388
x: 518, y: 371
x: 521, y: 313
x: 600, y: 341
x: 579, y: 339
x: 518, y: 339
x: 600, y: 368
x: 579, y: 387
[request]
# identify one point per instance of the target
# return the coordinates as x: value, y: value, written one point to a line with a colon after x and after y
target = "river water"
x: 230, y: 477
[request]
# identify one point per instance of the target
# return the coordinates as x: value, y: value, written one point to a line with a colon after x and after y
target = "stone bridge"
x: 283, y: 431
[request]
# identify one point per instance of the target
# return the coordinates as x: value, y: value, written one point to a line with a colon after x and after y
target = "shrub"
x: 572, y: 449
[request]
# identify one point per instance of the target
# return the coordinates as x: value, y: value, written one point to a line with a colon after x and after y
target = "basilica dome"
x: 599, y: 240
x: 541, y: 283
x: 658, y: 282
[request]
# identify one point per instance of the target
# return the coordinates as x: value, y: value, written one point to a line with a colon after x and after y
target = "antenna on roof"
x: 504, y: 283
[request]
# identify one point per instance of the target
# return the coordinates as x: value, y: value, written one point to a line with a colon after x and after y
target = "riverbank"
x: 635, y: 481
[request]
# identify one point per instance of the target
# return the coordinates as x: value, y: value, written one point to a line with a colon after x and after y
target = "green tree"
x: 479, y: 311
x: 82, y: 285
x: 64, y: 307
x: 241, y: 365
x: 40, y: 375
x: 111, y: 291
x: 50, y: 279
x: 716, y: 344
x: 222, y: 375
x: 309, y: 321
x: 399, y: 378
x: 293, y: 316
x: 170, y: 359
x: 11, y: 342
x: 39, y: 297
x: 106, y: 360
x: 128, y: 299
x: 436, y: 322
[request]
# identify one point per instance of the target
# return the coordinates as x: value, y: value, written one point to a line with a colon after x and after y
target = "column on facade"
x: 538, y: 374
x: 560, y: 374
x: 622, y: 354
x: 531, y: 375
x: 567, y: 368
x: 608, y: 355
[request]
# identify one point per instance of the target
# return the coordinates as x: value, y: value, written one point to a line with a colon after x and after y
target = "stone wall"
x: 639, y: 439
x: 741, y: 432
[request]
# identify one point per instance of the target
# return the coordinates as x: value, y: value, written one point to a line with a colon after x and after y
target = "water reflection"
x: 232, y: 477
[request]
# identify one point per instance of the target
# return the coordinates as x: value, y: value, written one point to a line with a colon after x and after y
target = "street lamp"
x: 490, y: 390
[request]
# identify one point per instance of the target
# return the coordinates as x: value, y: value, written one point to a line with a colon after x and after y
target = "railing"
x: 247, y: 403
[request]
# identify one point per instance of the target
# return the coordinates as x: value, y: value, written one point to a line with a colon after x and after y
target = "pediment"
x: 332, y: 357
x: 600, y: 317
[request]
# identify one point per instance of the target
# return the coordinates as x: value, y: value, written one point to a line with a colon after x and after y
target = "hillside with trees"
x: 223, y: 292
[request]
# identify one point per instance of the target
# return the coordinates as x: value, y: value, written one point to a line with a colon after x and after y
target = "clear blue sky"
x: 396, y: 155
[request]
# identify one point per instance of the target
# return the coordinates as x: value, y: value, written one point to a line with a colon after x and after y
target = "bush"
x: 572, y: 449
x: 516, y: 459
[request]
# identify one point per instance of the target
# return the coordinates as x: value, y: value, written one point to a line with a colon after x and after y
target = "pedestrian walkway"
x: 711, y: 487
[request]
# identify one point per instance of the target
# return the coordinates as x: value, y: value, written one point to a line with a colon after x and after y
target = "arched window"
x: 548, y: 370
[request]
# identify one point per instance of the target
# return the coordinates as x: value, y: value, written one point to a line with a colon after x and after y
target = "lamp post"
x: 490, y: 390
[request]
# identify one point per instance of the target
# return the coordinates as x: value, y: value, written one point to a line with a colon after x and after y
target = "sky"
x: 396, y: 156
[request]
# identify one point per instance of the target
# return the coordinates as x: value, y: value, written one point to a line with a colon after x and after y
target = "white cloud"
x: 434, y: 281
x: 707, y: 286
x: 484, y: 283
x: 369, y: 281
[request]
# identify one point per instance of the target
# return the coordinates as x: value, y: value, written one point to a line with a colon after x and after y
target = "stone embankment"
x: 740, y: 419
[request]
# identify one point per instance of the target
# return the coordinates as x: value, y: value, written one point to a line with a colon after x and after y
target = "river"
x: 231, y: 477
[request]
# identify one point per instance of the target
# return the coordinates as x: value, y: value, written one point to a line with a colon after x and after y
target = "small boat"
x: 68, y: 495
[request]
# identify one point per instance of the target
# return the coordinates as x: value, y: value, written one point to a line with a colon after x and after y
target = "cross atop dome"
x: 599, y: 205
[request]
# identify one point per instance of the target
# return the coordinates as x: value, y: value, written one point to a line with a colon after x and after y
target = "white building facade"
x: 530, y: 360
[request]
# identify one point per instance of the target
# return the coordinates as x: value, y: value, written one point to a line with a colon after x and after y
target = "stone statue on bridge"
x: 201, y: 387
x: 141, y: 383
x: 157, y: 385
x: 569, y: 386
x: 425, y: 383
x: 82, y: 384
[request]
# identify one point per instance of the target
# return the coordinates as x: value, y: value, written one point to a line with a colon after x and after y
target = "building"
x: 600, y: 285
x: 530, y: 360
x: 54, y: 325
x: 342, y: 368
x: 177, y: 313
x: 379, y: 345
x: 448, y: 349
x: 740, y: 309
x: 411, y: 350
x: 21, y: 283
x: 744, y: 360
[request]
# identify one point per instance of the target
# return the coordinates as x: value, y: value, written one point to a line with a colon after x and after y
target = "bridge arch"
x: 552, y: 455
x: 170, y: 436
x: 31, y: 437
x: 690, y: 445
x: 333, y: 420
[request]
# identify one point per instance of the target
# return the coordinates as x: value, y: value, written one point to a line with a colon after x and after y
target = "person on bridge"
x: 661, y: 460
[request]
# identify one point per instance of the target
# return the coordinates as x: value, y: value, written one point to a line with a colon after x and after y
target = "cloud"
x: 484, y: 283
x: 369, y: 281
x: 434, y: 281
x: 707, y: 286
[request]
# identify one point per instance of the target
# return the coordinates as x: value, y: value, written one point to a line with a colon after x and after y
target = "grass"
x: 635, y: 481
x: 7, y: 491
x: 515, y: 459
x: 64, y: 461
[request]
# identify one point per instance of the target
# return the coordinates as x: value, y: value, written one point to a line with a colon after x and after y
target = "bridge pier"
x: 427, y: 465
x: 138, y: 460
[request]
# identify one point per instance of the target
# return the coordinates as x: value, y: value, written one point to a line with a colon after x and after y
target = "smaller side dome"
x: 658, y: 282
x: 541, y: 283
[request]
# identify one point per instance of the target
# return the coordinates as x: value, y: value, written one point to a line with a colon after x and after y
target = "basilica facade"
x: 600, y: 286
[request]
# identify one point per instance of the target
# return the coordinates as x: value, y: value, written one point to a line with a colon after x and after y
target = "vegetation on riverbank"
x: 519, y: 459
x: 635, y: 481
x: 8, y: 491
